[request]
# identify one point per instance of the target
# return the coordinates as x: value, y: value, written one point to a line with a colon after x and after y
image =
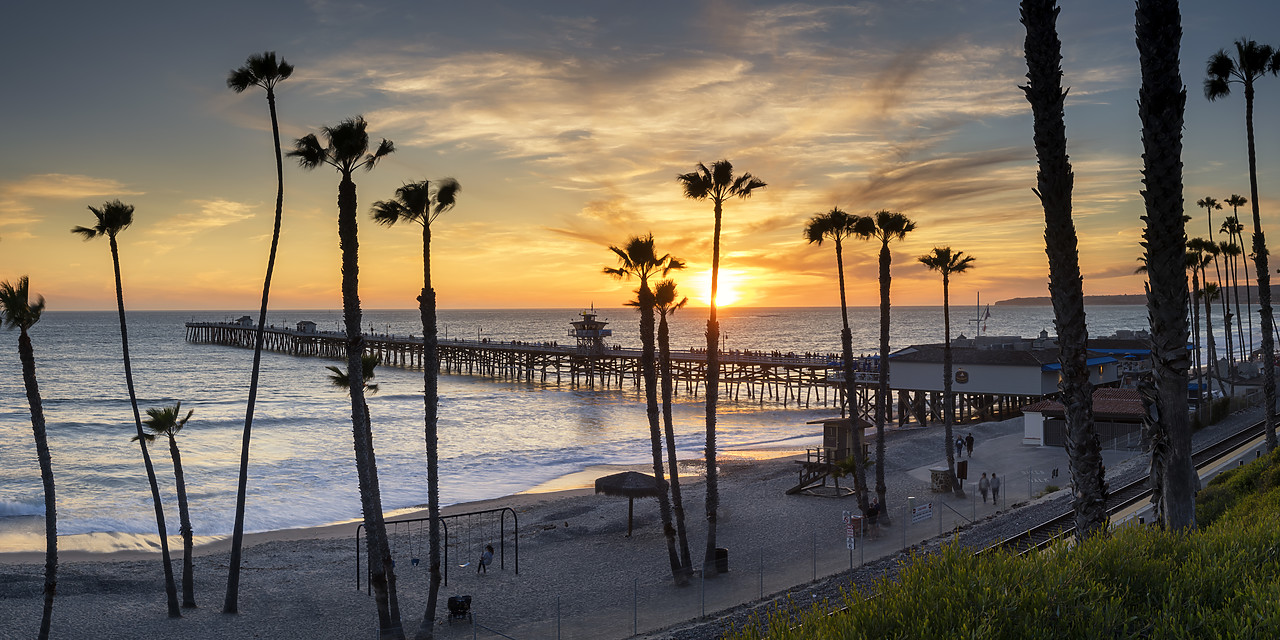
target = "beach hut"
x: 306, y: 326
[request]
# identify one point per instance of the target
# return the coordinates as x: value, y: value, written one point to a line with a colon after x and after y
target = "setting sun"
x: 728, y: 291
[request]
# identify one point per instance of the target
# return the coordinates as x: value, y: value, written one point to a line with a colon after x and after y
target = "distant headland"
x: 1118, y: 299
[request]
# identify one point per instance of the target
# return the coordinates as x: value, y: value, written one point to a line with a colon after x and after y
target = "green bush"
x: 1226, y: 489
x: 1222, y: 581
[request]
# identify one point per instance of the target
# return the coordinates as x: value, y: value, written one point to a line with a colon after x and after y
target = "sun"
x: 727, y: 291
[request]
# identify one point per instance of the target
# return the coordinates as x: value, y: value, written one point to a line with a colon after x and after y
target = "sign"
x: 852, y: 529
x: 922, y: 512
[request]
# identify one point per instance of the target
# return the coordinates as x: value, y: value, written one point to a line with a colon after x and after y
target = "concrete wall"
x: 1026, y: 380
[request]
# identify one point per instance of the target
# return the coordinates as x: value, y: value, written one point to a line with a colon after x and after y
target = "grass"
x: 1222, y: 581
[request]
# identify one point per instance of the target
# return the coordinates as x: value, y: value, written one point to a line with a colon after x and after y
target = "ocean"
x: 496, y: 437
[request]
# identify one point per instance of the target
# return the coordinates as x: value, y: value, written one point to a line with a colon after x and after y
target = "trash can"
x: 722, y: 560
x: 962, y: 469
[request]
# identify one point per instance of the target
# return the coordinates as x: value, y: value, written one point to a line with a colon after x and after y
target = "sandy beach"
x: 579, y: 576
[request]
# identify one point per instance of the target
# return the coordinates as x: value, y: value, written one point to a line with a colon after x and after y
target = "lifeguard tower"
x: 840, y: 440
x: 590, y: 333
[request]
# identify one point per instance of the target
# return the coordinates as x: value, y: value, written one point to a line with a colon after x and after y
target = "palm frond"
x: 19, y: 312
x: 309, y: 153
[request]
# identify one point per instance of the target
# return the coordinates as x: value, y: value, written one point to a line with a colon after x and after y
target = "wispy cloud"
x: 17, y: 197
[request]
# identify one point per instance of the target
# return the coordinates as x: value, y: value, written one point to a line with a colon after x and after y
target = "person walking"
x: 995, y: 489
x: 984, y: 485
x: 968, y: 444
x: 960, y: 447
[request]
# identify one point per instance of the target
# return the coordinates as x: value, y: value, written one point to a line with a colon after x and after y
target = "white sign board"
x: 922, y: 512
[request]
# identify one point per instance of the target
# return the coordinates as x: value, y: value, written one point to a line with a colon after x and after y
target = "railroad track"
x: 1063, y: 526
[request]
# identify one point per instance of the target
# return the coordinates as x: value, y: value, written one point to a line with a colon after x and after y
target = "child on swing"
x: 486, y: 559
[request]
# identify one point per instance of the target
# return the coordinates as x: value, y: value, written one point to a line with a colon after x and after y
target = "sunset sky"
x: 566, y: 124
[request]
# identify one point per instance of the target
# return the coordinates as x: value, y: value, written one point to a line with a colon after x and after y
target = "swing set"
x: 476, y: 529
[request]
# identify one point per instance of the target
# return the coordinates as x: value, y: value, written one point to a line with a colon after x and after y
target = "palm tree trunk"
x: 184, y: 519
x: 1225, y: 303
x: 1242, y: 355
x: 713, y: 395
x: 431, y: 399
x: 1248, y: 295
x: 948, y: 395
x: 230, y: 603
x: 1195, y: 325
x: 1213, y: 347
x: 1261, y: 270
x: 382, y: 574
x: 882, y: 396
x: 1066, y: 289
x: 677, y: 500
x: 850, y: 390
x: 1161, y: 104
x: 650, y: 373
x: 171, y: 590
x: 27, y: 355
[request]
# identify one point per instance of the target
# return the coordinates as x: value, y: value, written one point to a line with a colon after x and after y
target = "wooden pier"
x: 799, y: 380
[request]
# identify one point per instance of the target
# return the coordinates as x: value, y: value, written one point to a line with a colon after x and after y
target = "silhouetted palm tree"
x: 640, y: 260
x: 346, y: 149
x: 716, y: 184
x: 664, y: 301
x: 421, y: 203
x: 1202, y: 250
x: 1230, y: 262
x: 836, y: 225
x: 1237, y: 228
x: 1161, y: 102
x: 889, y: 226
x: 114, y: 217
x: 1251, y: 62
x: 368, y: 371
x: 1209, y: 205
x: 164, y: 421
x: 262, y: 71
x: 944, y: 261
x: 20, y: 313
x: 1054, y: 182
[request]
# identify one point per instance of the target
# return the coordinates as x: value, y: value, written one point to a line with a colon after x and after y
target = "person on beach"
x: 960, y: 447
x: 984, y: 485
x: 486, y: 558
x: 968, y: 444
x: 995, y: 488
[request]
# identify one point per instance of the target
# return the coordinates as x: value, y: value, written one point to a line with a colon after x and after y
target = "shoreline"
x: 107, y: 546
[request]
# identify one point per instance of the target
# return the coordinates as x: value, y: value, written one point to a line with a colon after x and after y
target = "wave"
x: 20, y: 508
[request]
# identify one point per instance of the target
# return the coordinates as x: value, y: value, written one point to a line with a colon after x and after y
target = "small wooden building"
x: 306, y: 326
x: 1117, y: 416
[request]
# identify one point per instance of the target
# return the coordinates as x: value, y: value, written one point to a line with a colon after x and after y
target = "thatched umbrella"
x: 630, y: 484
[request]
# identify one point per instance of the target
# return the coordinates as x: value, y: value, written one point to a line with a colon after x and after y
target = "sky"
x: 566, y: 124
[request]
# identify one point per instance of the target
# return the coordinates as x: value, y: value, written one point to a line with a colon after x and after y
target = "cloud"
x: 181, y: 229
x: 16, y: 196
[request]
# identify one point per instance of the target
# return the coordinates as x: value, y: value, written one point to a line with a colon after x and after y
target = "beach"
x: 579, y: 576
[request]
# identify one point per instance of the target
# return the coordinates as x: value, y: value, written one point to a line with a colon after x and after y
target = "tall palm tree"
x: 421, y: 203
x: 263, y: 71
x: 716, y: 184
x: 1251, y: 62
x: 837, y: 225
x: 664, y: 301
x: 638, y: 259
x: 112, y: 218
x: 346, y: 149
x: 1237, y: 228
x: 1200, y: 250
x: 20, y: 313
x: 888, y: 226
x: 946, y: 262
x: 1054, y: 182
x: 1209, y: 205
x: 1161, y: 103
x: 164, y: 421
x: 1231, y: 264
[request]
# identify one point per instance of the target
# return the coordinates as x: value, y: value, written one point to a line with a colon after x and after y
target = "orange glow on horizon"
x: 728, y: 291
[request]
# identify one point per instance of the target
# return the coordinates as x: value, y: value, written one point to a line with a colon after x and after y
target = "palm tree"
x: 262, y: 71
x: 945, y: 262
x: 114, y: 217
x: 1251, y: 62
x: 664, y: 301
x: 1205, y: 251
x: 716, y: 184
x: 1161, y: 103
x: 346, y: 149
x: 1055, y: 181
x: 638, y: 259
x: 421, y: 203
x: 164, y: 421
x: 1237, y: 228
x: 837, y: 225
x: 1209, y: 205
x: 888, y: 226
x: 368, y: 365
x: 20, y: 313
x: 1231, y: 263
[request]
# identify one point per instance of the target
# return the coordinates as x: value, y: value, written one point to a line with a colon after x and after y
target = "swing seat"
x: 459, y: 608
x: 414, y: 561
